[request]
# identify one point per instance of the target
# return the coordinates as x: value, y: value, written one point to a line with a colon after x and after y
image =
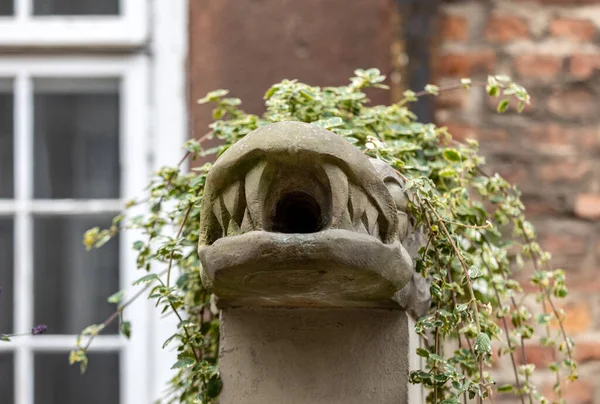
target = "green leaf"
x: 126, y: 329
x: 505, y: 388
x: 5, y: 338
x: 475, y: 272
x: 146, y: 279
x: 183, y: 363
x: 447, y: 172
x: 116, y: 298
x: 451, y: 155
x: 170, y: 339
x: 79, y: 356
x: 423, y: 352
x: 138, y: 245
x: 544, y: 319
x: 431, y: 89
x: 329, y: 123
x: 503, y: 105
x: 493, y: 91
x: 213, y: 96
x: 482, y: 345
x: 214, y: 386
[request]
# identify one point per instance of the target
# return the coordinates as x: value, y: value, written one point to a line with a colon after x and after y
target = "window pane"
x: 6, y: 137
x: 7, y: 382
x: 71, y: 284
x: 75, y: 7
x: 76, y: 145
x: 6, y: 7
x: 57, y: 382
x: 6, y: 276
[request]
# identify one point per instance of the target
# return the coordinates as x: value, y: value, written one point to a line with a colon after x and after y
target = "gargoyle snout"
x: 293, y: 213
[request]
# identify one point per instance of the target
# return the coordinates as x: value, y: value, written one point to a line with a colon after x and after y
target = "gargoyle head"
x: 294, y: 215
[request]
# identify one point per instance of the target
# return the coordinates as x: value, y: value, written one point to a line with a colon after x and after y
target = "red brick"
x: 577, y: 318
x: 540, y: 356
x: 587, y: 351
x: 587, y: 206
x: 577, y: 392
x: 543, y: 67
x: 466, y: 64
x: 571, y: 28
x: 461, y: 131
x: 562, y: 139
x: 540, y: 206
x: 452, y: 99
x: 584, y: 66
x: 562, y: 245
x: 563, y: 171
x: 513, y: 173
x: 501, y: 28
x: 565, y: 2
x: 572, y: 104
x: 454, y: 28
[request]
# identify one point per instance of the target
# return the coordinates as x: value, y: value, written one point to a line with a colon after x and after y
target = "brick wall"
x: 552, y: 150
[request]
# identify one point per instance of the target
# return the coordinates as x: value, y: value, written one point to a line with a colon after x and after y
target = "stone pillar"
x: 307, y: 245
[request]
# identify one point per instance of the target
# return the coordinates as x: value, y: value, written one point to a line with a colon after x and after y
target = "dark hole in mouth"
x: 297, y: 212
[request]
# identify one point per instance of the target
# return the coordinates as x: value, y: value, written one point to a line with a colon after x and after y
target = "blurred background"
x: 95, y: 94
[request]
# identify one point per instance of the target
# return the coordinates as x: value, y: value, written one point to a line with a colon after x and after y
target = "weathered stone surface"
x: 294, y: 215
x: 315, y: 356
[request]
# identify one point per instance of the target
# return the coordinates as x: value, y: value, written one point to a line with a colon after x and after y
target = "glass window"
x: 6, y: 7
x: 58, y: 382
x: 6, y: 137
x: 6, y: 276
x: 71, y: 284
x: 76, y: 138
x: 7, y: 389
x: 75, y: 7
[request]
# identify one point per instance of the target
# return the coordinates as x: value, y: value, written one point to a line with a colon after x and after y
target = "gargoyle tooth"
x: 357, y: 203
x: 375, y: 230
x: 338, y: 183
x: 247, y: 224
x: 371, y: 214
x: 233, y: 199
x: 360, y: 227
x: 256, y: 190
x: 233, y: 229
x: 403, y: 225
x: 221, y: 214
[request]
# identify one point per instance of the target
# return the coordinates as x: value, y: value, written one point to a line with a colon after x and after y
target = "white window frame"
x: 169, y: 50
x: 133, y: 71
x: 129, y: 29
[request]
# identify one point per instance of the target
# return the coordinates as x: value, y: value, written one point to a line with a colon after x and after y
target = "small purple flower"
x: 39, y: 329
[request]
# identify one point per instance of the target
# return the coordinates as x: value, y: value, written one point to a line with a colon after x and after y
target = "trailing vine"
x: 476, y: 232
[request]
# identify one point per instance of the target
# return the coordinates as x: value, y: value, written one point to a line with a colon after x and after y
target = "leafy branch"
x: 467, y: 256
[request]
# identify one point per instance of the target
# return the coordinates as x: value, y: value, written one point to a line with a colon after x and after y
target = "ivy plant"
x: 476, y: 232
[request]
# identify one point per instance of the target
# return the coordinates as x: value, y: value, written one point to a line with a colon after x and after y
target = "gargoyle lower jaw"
x: 334, y: 268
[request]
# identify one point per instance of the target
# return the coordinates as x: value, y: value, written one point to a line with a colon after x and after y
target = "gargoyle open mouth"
x: 295, y: 215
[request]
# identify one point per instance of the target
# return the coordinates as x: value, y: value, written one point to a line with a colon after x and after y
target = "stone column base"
x: 316, y: 356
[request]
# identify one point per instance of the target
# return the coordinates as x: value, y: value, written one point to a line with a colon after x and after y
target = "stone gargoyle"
x: 294, y: 215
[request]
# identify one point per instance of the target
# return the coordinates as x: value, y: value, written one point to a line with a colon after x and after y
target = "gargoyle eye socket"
x: 398, y: 195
